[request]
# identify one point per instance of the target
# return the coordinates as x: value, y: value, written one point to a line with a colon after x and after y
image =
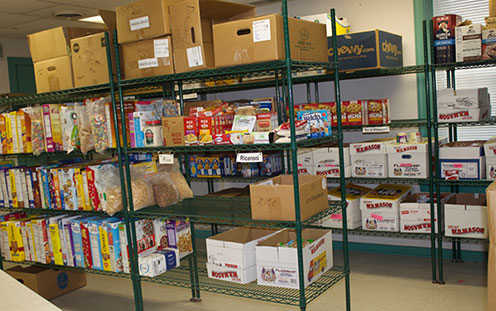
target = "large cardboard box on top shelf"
x: 231, y: 254
x: 466, y: 216
x: 353, y: 213
x: 491, y: 221
x: 278, y: 265
x: 369, y: 159
x: 490, y: 153
x: 462, y: 160
x: 53, y: 74
x: 273, y: 199
x: 261, y: 39
x: 191, y: 27
x: 49, y: 283
x: 415, y: 213
x: 148, y: 58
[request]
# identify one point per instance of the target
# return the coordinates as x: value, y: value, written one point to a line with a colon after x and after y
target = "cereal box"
x: 15, y: 241
x: 179, y: 236
x: 115, y: 246
x: 124, y: 248
x: 318, y: 121
x: 77, y: 243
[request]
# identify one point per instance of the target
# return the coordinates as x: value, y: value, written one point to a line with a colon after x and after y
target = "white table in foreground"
x: 15, y: 296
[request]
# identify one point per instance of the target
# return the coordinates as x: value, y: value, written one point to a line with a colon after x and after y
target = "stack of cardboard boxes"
x: 463, y: 105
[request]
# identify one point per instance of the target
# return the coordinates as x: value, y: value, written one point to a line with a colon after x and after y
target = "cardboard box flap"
x: 221, y: 11
x: 290, y: 235
x: 353, y: 191
x: 468, y: 201
x: 241, y: 235
x: 109, y: 18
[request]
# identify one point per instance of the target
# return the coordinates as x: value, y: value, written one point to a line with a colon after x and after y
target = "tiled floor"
x: 378, y: 282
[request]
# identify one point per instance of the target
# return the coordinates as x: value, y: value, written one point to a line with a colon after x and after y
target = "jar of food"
x: 153, y: 134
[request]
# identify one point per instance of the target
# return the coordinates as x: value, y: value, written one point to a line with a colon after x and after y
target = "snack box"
x: 318, y: 120
x: 466, y: 216
x: 353, y: 213
x: 385, y: 198
x: 490, y: 153
x: 158, y: 262
x: 415, y: 213
x: 369, y: 159
x: 231, y: 254
x: 462, y: 160
x: 375, y: 112
x: 278, y: 265
x: 410, y: 160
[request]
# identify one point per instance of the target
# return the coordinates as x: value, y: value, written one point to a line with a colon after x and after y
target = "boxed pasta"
x: 277, y: 259
x: 466, y: 216
x: 353, y: 213
x: 410, y: 160
x: 231, y: 254
x: 462, y: 160
x: 369, y: 159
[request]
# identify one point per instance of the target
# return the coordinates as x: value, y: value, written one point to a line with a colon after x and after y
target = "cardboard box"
x: 53, y: 74
x: 466, y: 216
x: 409, y: 160
x: 147, y: 58
x: 57, y: 39
x: 231, y: 254
x: 468, y: 43
x: 173, y: 131
x: 444, y: 37
x: 326, y: 161
x: 342, y: 24
x: 142, y: 19
x: 369, y: 159
x: 367, y: 50
x: 492, y: 8
x: 159, y: 262
x: 261, y: 39
x: 490, y: 153
x: 380, y: 221
x: 385, y: 198
x: 451, y: 115
x: 489, y: 43
x: 472, y: 98
x: 353, y: 213
x: 463, y: 160
x: 48, y: 283
x: 491, y: 270
x: 89, y: 60
x: 278, y: 266
x: 191, y: 27
x: 415, y: 213
x: 273, y: 199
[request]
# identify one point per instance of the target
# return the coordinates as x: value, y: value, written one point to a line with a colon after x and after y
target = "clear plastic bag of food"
x: 178, y: 179
x: 70, y: 132
x: 37, y: 131
x: 98, y: 123
x: 164, y: 190
x: 84, y: 128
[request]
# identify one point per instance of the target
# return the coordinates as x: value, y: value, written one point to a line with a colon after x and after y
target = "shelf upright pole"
x: 294, y: 164
x: 337, y: 97
x: 317, y: 99
x: 122, y: 152
x: 428, y: 110
x: 280, y: 117
x: 309, y: 93
x: 438, y: 170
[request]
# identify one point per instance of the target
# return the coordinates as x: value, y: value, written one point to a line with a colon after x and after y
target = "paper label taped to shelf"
x: 139, y: 23
x: 251, y: 157
x: 165, y: 158
x: 147, y: 63
x: 261, y: 30
x: 161, y: 48
x: 375, y: 129
x: 195, y: 57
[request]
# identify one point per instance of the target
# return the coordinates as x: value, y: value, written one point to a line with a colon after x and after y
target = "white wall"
x: 13, y: 48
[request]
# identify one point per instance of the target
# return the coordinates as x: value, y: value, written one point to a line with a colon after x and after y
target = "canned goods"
x: 401, y: 138
x: 415, y: 137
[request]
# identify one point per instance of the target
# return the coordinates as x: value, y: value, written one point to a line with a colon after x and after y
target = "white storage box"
x: 490, y: 153
x: 472, y: 98
x: 452, y: 115
x: 463, y: 160
x: 242, y: 276
x: 326, y: 161
x: 466, y: 216
x: 380, y: 221
x: 278, y: 265
x: 409, y: 160
x: 468, y: 43
x: 446, y: 98
x: 305, y: 161
x: 415, y: 213
x: 385, y: 198
x: 369, y: 159
x: 353, y: 213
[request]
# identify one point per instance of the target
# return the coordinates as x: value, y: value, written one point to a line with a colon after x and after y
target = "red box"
x: 444, y: 37
x: 376, y: 112
x: 354, y: 111
x: 190, y: 130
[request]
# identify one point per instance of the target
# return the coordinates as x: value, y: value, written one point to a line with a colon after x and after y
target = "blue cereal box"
x: 115, y: 246
x: 77, y: 243
x: 319, y: 122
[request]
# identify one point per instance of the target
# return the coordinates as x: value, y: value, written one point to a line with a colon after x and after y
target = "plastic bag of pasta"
x: 37, y: 132
x: 178, y: 179
x: 98, y: 123
x: 84, y: 128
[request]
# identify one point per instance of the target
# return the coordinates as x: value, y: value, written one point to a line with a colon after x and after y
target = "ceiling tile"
x: 7, y: 19
x: 49, y: 12
x: 95, y: 4
x: 24, y: 6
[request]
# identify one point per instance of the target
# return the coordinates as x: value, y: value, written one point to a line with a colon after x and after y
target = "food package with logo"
x: 380, y: 207
x: 179, y: 236
x: 489, y: 44
x: 353, y: 213
x: 462, y: 160
x: 415, y: 213
x: 466, y: 216
x: 70, y: 133
x: 468, y: 41
x: 326, y: 161
x: 318, y: 121
x: 376, y: 112
x: 369, y: 159
x: 277, y: 264
x: 463, y: 105
x: 490, y: 153
x: 231, y: 254
x: 444, y: 37
x: 283, y: 132
x: 158, y: 262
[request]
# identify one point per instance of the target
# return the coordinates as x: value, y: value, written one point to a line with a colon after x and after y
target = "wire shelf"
x: 398, y: 181
x: 491, y: 121
x: 465, y: 65
x: 42, y: 211
x: 466, y: 183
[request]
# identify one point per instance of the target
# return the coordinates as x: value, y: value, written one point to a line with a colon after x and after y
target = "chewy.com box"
x: 278, y: 265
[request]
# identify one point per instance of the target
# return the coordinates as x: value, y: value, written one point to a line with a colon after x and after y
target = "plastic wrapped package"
x: 70, y: 133
x: 84, y: 128
x: 164, y: 190
x: 98, y: 123
x: 178, y: 179
x: 37, y: 131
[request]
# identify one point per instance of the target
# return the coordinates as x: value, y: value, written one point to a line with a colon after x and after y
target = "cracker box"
x: 409, y: 160
x: 466, y: 216
x: 354, y: 111
x: 415, y: 213
x: 468, y: 43
x: 318, y: 120
x: 353, y: 213
x: 231, y: 254
x: 490, y: 153
x: 376, y: 112
x: 326, y: 161
x: 369, y: 159
x: 444, y: 37
x: 463, y: 160
x: 278, y: 265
